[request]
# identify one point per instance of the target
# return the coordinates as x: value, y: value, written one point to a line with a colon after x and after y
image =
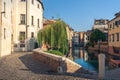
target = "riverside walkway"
x: 21, y: 66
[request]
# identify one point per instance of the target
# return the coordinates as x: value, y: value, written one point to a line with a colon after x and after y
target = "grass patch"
x: 56, y: 52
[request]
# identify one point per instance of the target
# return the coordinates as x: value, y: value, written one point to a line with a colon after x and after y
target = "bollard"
x: 101, y: 66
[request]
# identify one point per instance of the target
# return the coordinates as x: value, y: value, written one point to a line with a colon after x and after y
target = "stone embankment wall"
x: 103, y: 47
x: 56, y: 63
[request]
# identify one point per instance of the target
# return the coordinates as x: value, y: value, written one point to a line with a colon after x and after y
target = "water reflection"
x: 81, y: 57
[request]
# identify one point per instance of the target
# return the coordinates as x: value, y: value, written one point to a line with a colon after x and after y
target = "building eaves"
x: 41, y: 3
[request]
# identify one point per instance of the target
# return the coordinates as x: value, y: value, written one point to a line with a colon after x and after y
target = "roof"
x: 48, y: 22
x: 40, y: 1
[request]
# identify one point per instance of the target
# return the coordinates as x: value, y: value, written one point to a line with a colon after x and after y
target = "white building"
x: 101, y: 24
x: 76, y: 39
x: 27, y: 21
x: 5, y: 27
x: 20, y: 20
x: 86, y: 40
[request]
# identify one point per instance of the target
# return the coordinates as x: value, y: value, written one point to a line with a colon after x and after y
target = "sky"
x: 80, y: 14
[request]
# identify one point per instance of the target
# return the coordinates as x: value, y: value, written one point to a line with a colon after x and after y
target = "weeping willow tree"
x: 54, y: 35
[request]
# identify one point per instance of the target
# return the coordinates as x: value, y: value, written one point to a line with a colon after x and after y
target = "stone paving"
x: 21, y: 66
x: 113, y: 74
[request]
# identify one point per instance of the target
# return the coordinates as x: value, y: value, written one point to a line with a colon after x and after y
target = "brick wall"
x: 110, y: 49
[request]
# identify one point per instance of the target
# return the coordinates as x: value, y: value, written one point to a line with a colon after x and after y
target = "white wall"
x: 6, y: 28
x: 32, y: 10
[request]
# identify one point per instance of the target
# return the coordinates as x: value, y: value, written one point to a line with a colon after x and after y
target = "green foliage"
x: 56, y: 52
x: 55, y: 35
x: 97, y: 35
x: 89, y: 44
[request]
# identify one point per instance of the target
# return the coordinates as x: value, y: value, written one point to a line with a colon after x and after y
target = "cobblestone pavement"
x: 21, y: 66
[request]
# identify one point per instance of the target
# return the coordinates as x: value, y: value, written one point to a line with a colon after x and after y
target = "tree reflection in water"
x: 85, y: 59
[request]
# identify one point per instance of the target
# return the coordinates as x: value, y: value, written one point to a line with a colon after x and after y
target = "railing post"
x: 101, y: 66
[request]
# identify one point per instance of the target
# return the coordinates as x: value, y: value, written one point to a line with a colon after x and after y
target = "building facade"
x: 102, y: 25
x: 76, y: 39
x: 88, y: 33
x: 5, y: 27
x: 20, y: 20
x: 86, y: 39
x: 83, y: 39
x: 114, y: 34
x: 27, y: 21
x: 70, y: 33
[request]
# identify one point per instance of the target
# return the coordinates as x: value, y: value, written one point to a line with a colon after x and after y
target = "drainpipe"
x: 26, y: 25
x: 26, y: 19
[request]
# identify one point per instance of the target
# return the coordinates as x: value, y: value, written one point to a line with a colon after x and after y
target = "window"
x: 22, y: 45
x: 22, y: 36
x: 117, y: 36
x: 110, y: 26
x: 116, y: 23
x: 113, y: 25
x: 109, y: 38
x: 32, y: 20
x: 23, y: 0
x: 4, y: 33
x: 112, y: 37
x: 32, y: 1
x: 38, y: 6
x: 119, y: 22
x: 4, y: 9
x: 22, y: 18
x: 38, y: 23
x: 32, y: 34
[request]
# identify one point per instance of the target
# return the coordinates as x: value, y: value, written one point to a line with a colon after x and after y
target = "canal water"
x: 86, y: 60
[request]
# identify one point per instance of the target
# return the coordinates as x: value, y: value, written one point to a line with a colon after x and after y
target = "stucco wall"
x: 32, y: 10
x: 113, y: 30
x: 6, y: 28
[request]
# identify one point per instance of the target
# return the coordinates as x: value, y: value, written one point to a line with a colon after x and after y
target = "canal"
x: 85, y: 59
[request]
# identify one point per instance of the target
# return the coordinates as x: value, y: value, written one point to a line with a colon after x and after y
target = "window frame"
x: 32, y: 34
x: 23, y: 0
x: 32, y: 1
x: 22, y: 36
x: 38, y: 23
x: 32, y: 20
x: 22, y: 19
x: 117, y: 36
